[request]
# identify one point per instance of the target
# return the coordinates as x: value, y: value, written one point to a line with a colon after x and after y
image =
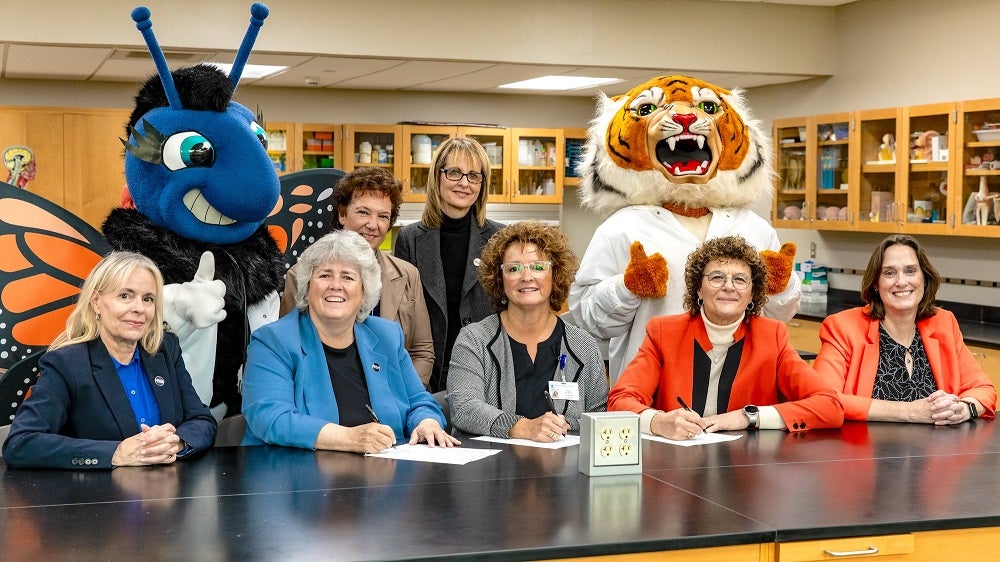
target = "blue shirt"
x: 138, y: 390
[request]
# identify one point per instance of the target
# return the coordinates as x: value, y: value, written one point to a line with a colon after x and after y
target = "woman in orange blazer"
x: 722, y: 366
x: 900, y: 358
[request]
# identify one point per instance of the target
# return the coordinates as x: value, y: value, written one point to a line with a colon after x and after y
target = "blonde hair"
x: 343, y: 246
x: 477, y: 155
x: 110, y: 274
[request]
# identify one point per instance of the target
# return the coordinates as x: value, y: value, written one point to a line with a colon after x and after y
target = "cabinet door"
x: 316, y: 145
x: 417, y: 157
x: 878, y: 164
x: 537, y: 171
x: 576, y: 140
x: 792, y: 207
x: 371, y: 145
x: 281, y: 146
x: 93, y: 185
x: 496, y: 141
x: 41, y: 131
x: 830, y: 172
x: 977, y: 178
x: 929, y: 129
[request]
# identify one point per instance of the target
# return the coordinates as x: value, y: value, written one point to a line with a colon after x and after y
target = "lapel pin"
x: 376, y: 367
x: 159, y: 381
x: 476, y: 262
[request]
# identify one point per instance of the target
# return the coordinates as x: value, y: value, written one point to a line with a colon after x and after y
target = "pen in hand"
x: 375, y: 418
x: 552, y: 405
x: 685, y: 406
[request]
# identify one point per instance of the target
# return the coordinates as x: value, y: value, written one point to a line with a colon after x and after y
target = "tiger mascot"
x: 673, y: 162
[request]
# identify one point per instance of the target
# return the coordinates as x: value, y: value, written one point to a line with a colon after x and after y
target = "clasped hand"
x: 942, y: 408
x: 153, y: 445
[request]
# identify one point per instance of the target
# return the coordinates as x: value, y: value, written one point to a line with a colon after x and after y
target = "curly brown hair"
x: 551, y: 242
x: 725, y: 248
x: 869, y: 281
x: 364, y: 180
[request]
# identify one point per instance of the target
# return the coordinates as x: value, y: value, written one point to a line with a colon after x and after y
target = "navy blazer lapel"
x: 106, y: 378
x: 156, y: 368
x: 427, y: 247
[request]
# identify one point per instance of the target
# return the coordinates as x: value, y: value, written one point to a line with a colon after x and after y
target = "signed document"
x: 700, y: 439
x: 566, y: 441
x: 443, y: 455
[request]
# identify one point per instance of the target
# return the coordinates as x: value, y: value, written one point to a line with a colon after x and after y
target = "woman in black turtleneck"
x: 445, y: 245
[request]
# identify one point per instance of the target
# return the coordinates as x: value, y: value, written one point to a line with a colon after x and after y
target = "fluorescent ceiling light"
x: 250, y: 70
x: 560, y: 83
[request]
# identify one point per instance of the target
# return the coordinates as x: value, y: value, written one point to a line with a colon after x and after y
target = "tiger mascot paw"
x: 646, y: 276
x: 779, y: 267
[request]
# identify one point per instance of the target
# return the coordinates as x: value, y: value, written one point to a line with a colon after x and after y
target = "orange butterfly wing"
x: 45, y: 254
x: 304, y: 212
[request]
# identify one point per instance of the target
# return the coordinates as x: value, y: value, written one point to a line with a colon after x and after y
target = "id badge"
x: 560, y: 390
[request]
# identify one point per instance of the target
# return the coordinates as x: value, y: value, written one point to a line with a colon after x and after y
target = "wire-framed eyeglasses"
x: 454, y: 174
x: 717, y: 280
x: 514, y: 269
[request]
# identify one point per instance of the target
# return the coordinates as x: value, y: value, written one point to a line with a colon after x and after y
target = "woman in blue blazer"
x: 331, y: 376
x: 112, y: 389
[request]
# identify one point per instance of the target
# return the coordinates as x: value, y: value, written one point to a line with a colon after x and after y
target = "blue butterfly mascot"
x: 199, y: 188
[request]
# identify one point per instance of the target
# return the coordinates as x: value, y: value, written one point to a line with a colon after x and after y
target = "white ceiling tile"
x: 42, y: 61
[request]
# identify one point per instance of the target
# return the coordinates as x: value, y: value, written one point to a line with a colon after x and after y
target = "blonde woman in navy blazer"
x: 446, y: 243
x: 80, y: 414
x: 330, y: 375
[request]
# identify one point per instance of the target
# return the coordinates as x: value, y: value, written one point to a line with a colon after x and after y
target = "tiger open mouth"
x: 684, y: 155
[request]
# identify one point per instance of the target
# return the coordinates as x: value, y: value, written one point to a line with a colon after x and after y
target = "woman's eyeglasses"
x: 514, y: 269
x: 454, y: 174
x: 717, y: 280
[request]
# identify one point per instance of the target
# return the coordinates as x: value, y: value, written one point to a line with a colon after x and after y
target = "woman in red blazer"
x: 722, y: 366
x: 900, y: 358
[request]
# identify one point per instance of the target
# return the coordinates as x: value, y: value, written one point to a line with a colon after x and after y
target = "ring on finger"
x: 552, y: 434
x: 690, y: 435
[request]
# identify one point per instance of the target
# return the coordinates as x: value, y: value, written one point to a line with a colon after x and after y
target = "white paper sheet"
x: 425, y: 453
x: 566, y: 441
x: 699, y: 439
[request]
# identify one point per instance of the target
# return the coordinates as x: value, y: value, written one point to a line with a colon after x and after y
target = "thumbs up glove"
x: 779, y: 267
x: 646, y: 276
x: 198, y: 303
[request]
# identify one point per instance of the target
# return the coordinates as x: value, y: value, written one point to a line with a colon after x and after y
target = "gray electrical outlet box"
x: 609, y: 443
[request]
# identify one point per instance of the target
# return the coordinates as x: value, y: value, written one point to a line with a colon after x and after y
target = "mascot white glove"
x: 196, y: 304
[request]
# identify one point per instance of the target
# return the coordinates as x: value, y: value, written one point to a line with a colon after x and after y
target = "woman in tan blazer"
x: 368, y: 201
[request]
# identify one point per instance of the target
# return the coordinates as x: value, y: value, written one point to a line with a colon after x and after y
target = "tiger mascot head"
x: 675, y: 140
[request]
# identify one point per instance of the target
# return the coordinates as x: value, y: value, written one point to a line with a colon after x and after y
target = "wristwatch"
x: 973, y: 411
x: 753, y: 416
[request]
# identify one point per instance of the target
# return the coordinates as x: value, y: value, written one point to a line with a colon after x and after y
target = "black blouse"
x: 892, y: 381
x: 532, y: 379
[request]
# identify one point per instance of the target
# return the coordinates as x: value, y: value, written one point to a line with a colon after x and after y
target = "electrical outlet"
x: 609, y: 443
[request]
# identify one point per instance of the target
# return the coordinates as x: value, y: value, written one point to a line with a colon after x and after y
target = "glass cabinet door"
x: 371, y: 145
x: 975, y: 194
x: 281, y: 146
x: 928, y: 130
x: 791, y: 207
x: 832, y: 209
x: 881, y: 152
x: 575, y: 140
x: 538, y: 167
x: 317, y: 146
x: 419, y: 145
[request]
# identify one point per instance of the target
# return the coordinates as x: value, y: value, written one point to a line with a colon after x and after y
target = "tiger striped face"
x: 679, y: 126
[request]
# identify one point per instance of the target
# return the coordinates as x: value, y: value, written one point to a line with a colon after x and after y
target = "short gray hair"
x: 343, y: 246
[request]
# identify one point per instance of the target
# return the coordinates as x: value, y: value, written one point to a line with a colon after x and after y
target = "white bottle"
x: 365, y: 152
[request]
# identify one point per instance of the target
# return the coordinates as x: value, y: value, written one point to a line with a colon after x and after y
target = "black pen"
x: 685, y: 406
x: 552, y: 405
x: 375, y: 418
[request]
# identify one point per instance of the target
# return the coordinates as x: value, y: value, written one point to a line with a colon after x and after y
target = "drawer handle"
x: 870, y: 550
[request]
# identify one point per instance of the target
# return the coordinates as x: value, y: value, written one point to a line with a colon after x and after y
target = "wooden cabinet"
x: 371, y: 145
x: 923, y: 546
x: 914, y: 170
x: 282, y: 146
x: 77, y: 154
x: 989, y: 360
x: 496, y: 141
x: 537, y: 172
x: 804, y: 334
x: 317, y: 145
x: 417, y: 159
x: 575, y: 142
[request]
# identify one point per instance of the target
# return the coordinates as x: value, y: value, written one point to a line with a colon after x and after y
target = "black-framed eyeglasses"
x: 717, y: 280
x: 454, y: 174
x: 514, y: 269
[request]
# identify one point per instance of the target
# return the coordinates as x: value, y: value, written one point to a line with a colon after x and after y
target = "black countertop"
x: 253, y: 503
x: 980, y: 325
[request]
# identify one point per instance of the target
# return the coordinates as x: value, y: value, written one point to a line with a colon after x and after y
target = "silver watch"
x: 753, y: 416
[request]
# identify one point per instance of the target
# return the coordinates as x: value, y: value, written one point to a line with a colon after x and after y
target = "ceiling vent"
x: 172, y: 56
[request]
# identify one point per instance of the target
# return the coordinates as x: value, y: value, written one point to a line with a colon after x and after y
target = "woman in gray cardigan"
x: 524, y: 373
